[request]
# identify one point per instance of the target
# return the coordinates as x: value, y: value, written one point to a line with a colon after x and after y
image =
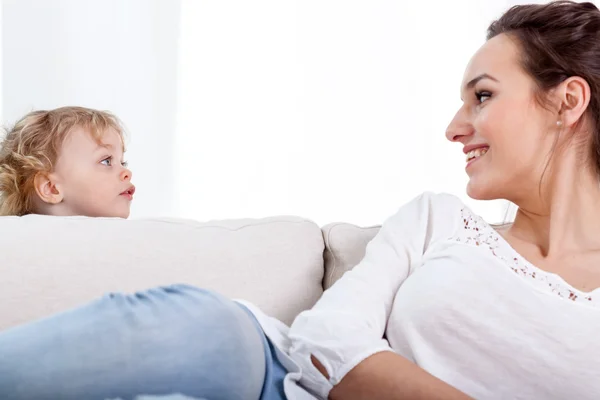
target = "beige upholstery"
x: 344, y: 248
x: 50, y: 264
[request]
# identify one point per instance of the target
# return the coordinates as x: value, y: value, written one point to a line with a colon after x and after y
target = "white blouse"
x: 440, y: 287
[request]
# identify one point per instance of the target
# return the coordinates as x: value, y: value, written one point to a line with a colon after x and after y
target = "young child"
x: 64, y: 162
x: 170, y: 342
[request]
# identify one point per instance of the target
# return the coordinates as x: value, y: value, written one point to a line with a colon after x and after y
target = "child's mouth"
x: 129, y: 193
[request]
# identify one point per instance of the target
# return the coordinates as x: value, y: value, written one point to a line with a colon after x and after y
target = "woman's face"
x: 503, y: 130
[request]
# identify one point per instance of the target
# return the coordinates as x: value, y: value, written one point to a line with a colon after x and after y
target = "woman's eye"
x: 107, y: 161
x: 483, y: 96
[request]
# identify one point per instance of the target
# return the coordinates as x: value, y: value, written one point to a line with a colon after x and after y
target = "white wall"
x: 107, y: 54
x: 330, y: 109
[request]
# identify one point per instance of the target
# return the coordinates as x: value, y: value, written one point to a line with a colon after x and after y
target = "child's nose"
x: 126, y: 174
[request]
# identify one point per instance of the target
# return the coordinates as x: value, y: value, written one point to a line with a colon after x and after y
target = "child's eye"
x: 125, y: 164
x: 483, y: 96
x: 107, y: 161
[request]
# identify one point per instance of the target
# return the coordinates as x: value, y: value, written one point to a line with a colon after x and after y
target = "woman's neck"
x: 566, y: 218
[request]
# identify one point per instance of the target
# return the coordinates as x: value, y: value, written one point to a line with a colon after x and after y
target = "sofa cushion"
x: 345, y: 246
x: 50, y: 264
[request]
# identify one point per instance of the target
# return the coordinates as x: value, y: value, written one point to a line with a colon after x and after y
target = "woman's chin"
x: 479, y: 190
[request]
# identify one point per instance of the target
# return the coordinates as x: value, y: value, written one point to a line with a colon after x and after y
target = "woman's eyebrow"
x: 474, y: 81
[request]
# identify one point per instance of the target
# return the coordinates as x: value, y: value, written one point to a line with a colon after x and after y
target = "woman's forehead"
x: 497, y: 57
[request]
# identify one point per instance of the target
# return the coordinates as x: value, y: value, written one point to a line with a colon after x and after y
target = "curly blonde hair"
x: 32, y: 146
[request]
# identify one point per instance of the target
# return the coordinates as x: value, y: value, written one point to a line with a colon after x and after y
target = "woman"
x: 442, y: 306
x: 500, y: 313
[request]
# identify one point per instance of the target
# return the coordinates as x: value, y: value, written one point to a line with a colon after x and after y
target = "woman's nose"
x: 459, y: 127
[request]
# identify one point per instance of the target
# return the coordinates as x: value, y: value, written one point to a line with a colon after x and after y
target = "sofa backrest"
x: 345, y: 246
x: 50, y: 264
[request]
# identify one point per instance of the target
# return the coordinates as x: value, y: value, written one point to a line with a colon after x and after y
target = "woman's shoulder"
x: 434, y: 214
x: 439, y: 203
x: 450, y: 208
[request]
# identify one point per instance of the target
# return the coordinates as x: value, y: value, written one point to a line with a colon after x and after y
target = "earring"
x: 559, y: 123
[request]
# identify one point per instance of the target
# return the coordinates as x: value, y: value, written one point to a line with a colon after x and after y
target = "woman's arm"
x: 348, y: 323
x: 388, y: 376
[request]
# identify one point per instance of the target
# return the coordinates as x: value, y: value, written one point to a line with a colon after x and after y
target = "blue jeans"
x: 176, y: 342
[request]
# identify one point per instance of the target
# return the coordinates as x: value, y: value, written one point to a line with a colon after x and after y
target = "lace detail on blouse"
x: 479, y: 233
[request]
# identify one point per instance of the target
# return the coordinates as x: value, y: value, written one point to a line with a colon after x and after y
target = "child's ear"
x: 46, y: 188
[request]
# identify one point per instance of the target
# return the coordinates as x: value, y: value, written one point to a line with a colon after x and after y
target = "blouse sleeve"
x: 347, y: 324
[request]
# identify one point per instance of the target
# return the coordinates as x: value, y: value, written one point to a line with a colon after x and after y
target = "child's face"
x: 92, y: 178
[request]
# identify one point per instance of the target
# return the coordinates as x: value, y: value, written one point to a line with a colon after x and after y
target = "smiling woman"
x: 481, y: 313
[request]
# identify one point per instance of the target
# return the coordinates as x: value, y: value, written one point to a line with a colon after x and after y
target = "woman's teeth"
x: 476, y: 153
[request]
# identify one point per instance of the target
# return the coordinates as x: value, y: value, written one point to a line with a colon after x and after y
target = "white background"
x: 334, y: 110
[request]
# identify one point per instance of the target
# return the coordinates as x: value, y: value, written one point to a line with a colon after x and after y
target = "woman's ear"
x: 574, y: 96
x: 46, y: 188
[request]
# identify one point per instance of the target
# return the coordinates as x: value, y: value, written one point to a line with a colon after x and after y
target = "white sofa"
x: 281, y: 264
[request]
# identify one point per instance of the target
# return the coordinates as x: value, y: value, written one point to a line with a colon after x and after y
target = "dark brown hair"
x: 558, y: 40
